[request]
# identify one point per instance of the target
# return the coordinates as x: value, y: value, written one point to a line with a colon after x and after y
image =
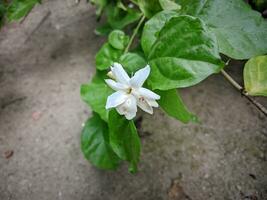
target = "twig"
x: 25, y: 16
x: 244, y: 93
x: 134, y: 34
x: 39, y: 25
x: 6, y: 104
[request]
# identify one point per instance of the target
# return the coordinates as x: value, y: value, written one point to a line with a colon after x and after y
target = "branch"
x: 134, y: 34
x: 244, y: 93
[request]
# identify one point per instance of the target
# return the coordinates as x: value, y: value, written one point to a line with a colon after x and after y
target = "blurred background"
x: 43, y: 61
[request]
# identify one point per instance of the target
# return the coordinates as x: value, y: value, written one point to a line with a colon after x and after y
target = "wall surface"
x: 44, y: 60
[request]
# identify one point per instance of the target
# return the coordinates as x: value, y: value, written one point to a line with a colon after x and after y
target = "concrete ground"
x: 44, y: 60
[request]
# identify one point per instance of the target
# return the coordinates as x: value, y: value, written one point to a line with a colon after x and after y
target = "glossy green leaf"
x: 95, y: 95
x: 149, y: 7
x: 118, y: 40
x: 169, y: 5
x: 152, y: 28
x: 95, y: 144
x: 118, y: 18
x: 132, y: 62
x: 19, y: 8
x: 106, y: 56
x: 171, y: 102
x: 124, y: 139
x: 241, y: 32
x: 184, y: 54
x: 255, y: 76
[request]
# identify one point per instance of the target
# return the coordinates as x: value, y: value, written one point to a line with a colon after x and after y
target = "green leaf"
x: 149, y: 7
x: 124, y: 139
x: 118, y: 18
x: 132, y: 62
x: 255, y: 76
x: 260, y: 5
x: 105, y: 29
x: 171, y: 102
x: 240, y: 31
x: 95, y: 95
x: 152, y: 28
x: 169, y: 5
x: 100, y: 4
x: 95, y: 144
x: 2, y: 12
x: 19, y: 8
x: 106, y: 56
x: 118, y: 40
x: 184, y: 54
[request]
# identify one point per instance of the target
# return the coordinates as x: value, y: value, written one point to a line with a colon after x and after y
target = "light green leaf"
x: 132, y: 62
x: 152, y: 28
x: 106, y: 56
x: 240, y: 31
x: 19, y: 8
x: 118, y: 18
x: 149, y: 7
x: 95, y: 144
x: 118, y: 40
x: 169, y: 5
x: 184, y: 54
x: 124, y: 139
x: 95, y: 95
x: 255, y: 76
x: 171, y: 102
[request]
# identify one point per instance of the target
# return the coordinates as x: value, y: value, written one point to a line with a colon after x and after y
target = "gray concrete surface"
x: 44, y: 60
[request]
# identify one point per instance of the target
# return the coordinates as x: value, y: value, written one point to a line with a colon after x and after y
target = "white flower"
x: 129, y: 92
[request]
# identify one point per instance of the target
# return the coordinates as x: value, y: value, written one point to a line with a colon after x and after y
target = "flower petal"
x: 120, y: 74
x: 116, y: 99
x: 143, y: 104
x: 148, y: 94
x: 152, y: 103
x: 128, y: 108
x: 140, y: 77
x: 115, y: 85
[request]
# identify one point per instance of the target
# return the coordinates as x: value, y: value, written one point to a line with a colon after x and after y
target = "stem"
x: 244, y: 93
x: 134, y: 34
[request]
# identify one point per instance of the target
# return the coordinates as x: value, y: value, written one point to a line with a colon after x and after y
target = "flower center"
x: 129, y: 90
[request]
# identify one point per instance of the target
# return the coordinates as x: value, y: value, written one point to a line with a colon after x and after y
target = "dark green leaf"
x: 184, y: 54
x: 118, y: 18
x: 105, y: 29
x: 255, y: 76
x: 95, y: 95
x: 149, y: 7
x: 118, y: 40
x: 95, y: 144
x: 106, y: 56
x: 2, y: 12
x: 124, y: 139
x: 152, y: 28
x: 171, y: 102
x: 241, y: 32
x: 132, y: 62
x: 19, y: 8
